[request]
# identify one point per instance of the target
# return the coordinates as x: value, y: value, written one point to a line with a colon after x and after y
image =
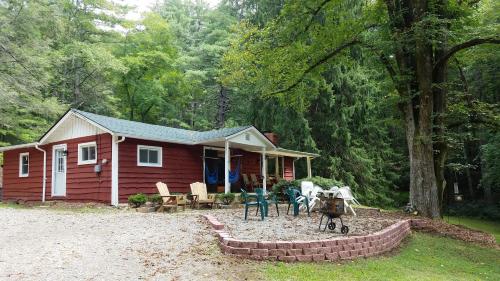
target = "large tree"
x: 413, y: 41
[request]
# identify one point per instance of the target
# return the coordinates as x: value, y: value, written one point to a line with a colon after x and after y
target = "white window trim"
x: 21, y: 155
x: 86, y: 144
x: 160, y: 156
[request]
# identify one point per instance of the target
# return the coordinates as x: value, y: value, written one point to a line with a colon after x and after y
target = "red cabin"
x: 88, y: 157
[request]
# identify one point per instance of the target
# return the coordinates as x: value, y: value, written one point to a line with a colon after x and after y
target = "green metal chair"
x: 271, y: 200
x: 259, y: 203
x: 295, y: 198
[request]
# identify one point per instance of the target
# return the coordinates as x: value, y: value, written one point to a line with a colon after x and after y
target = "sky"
x: 142, y: 6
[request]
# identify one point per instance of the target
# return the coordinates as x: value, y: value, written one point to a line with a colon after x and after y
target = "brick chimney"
x: 272, y: 137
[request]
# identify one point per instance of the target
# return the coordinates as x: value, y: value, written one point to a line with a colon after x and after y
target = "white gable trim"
x: 64, y: 119
x: 255, y: 132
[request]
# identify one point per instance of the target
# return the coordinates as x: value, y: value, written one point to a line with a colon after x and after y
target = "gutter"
x: 44, y: 180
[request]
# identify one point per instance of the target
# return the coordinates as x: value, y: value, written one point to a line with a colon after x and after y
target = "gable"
x: 70, y: 127
x: 251, y: 137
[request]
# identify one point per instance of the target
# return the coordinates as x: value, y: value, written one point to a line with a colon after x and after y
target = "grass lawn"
x: 422, y: 257
x: 486, y: 226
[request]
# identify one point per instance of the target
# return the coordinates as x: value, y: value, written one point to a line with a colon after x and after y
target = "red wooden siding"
x: 22, y: 188
x: 82, y: 183
x: 250, y: 163
x: 182, y: 165
x: 288, y: 168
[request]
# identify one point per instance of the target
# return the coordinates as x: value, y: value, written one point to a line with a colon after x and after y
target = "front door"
x: 59, y: 171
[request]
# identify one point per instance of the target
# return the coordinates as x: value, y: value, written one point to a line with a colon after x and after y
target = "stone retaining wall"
x: 341, y: 248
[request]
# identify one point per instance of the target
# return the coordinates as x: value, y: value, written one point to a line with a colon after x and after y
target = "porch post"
x: 227, y: 166
x: 264, y: 170
x: 276, y: 167
x: 309, y: 171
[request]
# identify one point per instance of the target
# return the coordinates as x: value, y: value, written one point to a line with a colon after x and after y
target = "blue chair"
x: 259, y: 203
x: 294, y: 198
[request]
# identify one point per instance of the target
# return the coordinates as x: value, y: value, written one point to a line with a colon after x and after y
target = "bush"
x: 137, y: 200
x: 324, y: 183
x: 156, y: 199
x: 477, y: 209
x: 401, y: 198
x: 226, y: 198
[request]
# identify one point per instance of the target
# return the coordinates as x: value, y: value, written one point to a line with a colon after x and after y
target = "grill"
x: 332, y: 208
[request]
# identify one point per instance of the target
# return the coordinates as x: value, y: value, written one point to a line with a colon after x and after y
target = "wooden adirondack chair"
x: 255, y: 181
x: 246, y: 182
x: 200, y: 195
x: 170, y: 201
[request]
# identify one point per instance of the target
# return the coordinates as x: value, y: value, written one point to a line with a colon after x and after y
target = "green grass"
x: 82, y: 209
x: 11, y: 205
x: 423, y: 257
x: 486, y: 226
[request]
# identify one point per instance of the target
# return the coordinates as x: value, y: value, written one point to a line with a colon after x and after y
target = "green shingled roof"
x: 155, y: 132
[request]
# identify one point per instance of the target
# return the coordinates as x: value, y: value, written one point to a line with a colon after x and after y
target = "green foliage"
x: 137, y: 200
x: 325, y: 183
x: 226, y: 198
x: 155, y: 198
x: 282, y: 185
x: 249, y: 62
x: 477, y: 209
x: 490, y: 153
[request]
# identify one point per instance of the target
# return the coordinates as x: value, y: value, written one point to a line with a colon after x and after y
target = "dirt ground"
x: 39, y: 244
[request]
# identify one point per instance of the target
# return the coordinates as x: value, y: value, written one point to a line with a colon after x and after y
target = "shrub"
x: 226, y: 198
x: 155, y: 198
x: 324, y: 183
x: 137, y: 200
x: 477, y: 209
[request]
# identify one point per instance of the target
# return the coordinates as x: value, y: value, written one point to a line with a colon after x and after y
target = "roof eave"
x: 18, y: 146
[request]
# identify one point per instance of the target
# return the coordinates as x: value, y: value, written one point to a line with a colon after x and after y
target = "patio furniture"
x: 346, y: 194
x: 295, y: 199
x: 246, y: 181
x: 310, y: 190
x: 255, y: 182
x: 271, y: 200
x: 169, y: 200
x: 258, y: 201
x: 211, y: 177
x: 332, y: 207
x: 200, y: 196
x: 234, y: 176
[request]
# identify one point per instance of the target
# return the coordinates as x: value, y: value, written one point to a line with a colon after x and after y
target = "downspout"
x: 44, y: 180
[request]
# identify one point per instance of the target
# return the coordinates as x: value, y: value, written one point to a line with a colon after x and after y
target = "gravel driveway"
x: 38, y: 244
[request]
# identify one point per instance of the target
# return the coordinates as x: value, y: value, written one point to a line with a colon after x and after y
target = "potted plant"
x: 226, y: 198
x: 137, y: 200
x: 155, y: 200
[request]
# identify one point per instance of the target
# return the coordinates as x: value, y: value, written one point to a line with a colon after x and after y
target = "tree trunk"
x: 222, y: 107
x: 423, y: 187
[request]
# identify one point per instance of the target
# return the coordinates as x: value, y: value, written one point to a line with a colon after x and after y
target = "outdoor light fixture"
x: 458, y: 197
x: 65, y: 153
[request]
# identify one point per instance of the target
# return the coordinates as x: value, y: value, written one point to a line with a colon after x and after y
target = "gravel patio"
x: 287, y: 227
x: 40, y: 244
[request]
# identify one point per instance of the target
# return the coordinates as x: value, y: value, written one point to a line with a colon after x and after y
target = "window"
x: 24, y: 164
x: 87, y: 153
x: 150, y: 156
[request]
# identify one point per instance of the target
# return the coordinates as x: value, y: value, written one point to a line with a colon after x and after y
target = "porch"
x: 249, y: 155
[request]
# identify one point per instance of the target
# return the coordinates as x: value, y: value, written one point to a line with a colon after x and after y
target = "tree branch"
x: 318, y: 63
x: 471, y: 43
